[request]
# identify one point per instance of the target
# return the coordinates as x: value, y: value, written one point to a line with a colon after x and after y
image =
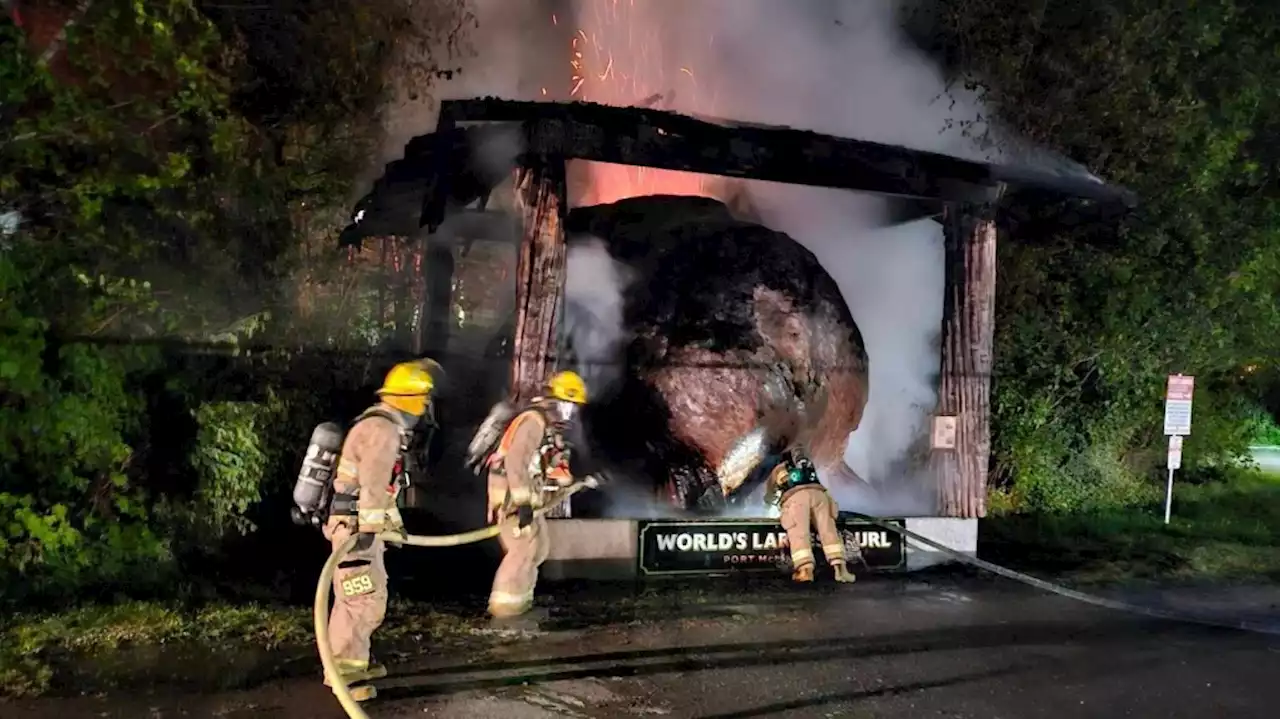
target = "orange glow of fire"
x: 615, y: 60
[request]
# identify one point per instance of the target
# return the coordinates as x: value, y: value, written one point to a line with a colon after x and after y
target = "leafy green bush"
x: 229, y: 460
x: 73, y: 514
x: 1263, y: 429
x: 173, y: 167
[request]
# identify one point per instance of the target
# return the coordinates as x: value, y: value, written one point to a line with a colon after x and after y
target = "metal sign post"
x: 1177, y: 424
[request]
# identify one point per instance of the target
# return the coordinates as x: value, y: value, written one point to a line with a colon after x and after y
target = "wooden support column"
x: 403, y: 304
x: 435, y: 315
x: 540, y: 270
x: 968, y: 335
x: 540, y: 275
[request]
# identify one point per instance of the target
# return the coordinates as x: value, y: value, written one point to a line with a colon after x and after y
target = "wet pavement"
x: 951, y: 647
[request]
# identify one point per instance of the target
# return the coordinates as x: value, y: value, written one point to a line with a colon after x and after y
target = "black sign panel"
x: 717, y: 546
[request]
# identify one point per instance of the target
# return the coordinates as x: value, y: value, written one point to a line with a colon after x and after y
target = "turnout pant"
x: 801, y: 506
x: 523, y: 553
x: 360, y: 602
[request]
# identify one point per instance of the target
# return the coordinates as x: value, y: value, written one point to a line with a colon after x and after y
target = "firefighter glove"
x: 364, y: 541
x: 524, y: 515
x: 395, y: 522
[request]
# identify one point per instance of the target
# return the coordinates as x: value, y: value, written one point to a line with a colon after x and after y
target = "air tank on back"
x: 314, y: 487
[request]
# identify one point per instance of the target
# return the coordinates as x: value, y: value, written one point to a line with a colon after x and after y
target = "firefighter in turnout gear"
x: 368, y: 479
x: 794, y: 484
x: 527, y: 471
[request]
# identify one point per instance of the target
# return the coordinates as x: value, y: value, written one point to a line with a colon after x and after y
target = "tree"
x: 170, y: 163
x: 1171, y: 98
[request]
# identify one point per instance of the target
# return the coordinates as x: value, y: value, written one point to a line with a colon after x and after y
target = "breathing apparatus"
x: 797, y: 470
x: 800, y: 470
x: 313, y: 490
x: 568, y: 392
x: 406, y: 390
x: 565, y: 393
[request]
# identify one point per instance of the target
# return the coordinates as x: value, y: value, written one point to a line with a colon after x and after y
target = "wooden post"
x: 540, y: 275
x: 968, y: 334
x: 402, y: 296
x: 435, y: 318
x: 540, y: 269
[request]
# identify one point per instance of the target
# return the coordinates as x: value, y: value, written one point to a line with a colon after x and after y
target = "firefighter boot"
x: 803, y: 573
x: 526, y: 622
x: 359, y: 692
x: 843, y: 575
x: 354, y: 672
x: 363, y: 692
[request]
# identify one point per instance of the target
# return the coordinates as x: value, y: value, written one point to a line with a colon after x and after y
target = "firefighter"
x: 528, y: 468
x: 794, y: 484
x: 367, y: 482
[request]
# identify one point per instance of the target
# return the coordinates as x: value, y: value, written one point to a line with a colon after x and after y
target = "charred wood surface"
x: 715, y: 309
x: 540, y: 270
x: 439, y: 174
x: 667, y: 140
x: 968, y: 335
x: 444, y: 171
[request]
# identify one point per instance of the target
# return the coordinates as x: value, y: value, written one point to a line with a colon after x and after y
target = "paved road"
x: 1268, y: 458
x: 948, y: 648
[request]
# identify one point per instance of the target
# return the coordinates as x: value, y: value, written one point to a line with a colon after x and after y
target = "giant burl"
x: 718, y: 314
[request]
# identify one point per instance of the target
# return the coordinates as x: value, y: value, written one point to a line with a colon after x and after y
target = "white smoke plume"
x: 843, y: 67
x: 594, y: 290
x: 837, y: 66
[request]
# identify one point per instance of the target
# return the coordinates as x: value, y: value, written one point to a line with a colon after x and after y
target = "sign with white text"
x: 1177, y: 405
x: 717, y: 546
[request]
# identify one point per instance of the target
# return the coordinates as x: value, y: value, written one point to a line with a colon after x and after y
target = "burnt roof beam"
x: 665, y: 140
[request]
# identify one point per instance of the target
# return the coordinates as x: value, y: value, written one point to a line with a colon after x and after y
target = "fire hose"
x: 1060, y: 590
x: 354, y: 710
x: 321, y: 607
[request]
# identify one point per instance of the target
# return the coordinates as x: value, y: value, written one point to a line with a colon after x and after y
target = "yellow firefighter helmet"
x: 407, y: 387
x: 567, y: 387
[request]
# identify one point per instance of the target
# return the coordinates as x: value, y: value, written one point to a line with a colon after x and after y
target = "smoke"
x: 503, y: 54
x: 843, y: 67
x: 594, y: 287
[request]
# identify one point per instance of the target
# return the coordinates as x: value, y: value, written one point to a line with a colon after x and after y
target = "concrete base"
x: 600, y: 549
x: 608, y: 549
x: 954, y: 533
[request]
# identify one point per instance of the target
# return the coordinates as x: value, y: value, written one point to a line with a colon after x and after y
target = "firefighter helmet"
x: 567, y: 387
x: 407, y: 387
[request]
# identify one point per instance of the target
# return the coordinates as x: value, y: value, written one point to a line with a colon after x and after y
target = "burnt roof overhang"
x: 461, y: 162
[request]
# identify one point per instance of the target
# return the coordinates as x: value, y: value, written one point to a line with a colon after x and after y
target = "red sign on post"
x: 1180, y: 387
x: 1177, y: 404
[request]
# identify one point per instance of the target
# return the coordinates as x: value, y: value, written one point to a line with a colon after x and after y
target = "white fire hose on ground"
x: 355, y: 711
x: 324, y: 585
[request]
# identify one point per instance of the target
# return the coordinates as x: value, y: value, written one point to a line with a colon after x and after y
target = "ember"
x: 617, y: 59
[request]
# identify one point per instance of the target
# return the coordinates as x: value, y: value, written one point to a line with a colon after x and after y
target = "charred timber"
x: 667, y: 140
x: 715, y: 310
x: 540, y: 277
x: 454, y: 167
x: 540, y: 274
x: 443, y: 172
x: 968, y: 336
